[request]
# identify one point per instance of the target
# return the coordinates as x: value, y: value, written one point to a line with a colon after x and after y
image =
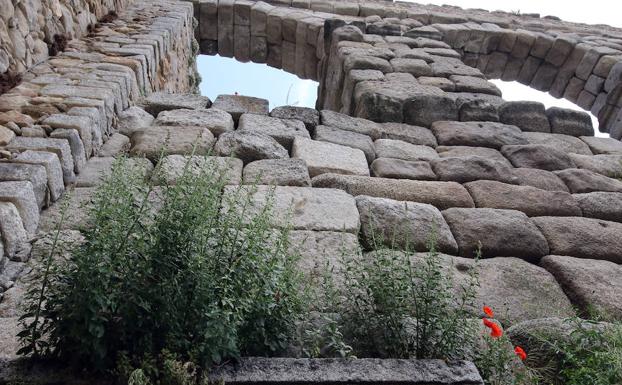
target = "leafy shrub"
x: 591, y: 354
x: 393, y: 306
x: 165, y: 272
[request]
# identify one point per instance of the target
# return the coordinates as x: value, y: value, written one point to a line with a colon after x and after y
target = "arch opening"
x: 515, y: 91
x: 222, y: 75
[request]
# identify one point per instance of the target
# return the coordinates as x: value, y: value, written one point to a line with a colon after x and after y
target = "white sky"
x: 589, y: 12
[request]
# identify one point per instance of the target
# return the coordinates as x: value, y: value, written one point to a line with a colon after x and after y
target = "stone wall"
x: 578, y: 62
x: 408, y: 133
x: 28, y: 28
x: 66, y: 109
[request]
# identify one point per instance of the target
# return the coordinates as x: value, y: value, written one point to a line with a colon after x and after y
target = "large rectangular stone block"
x: 225, y: 28
x: 241, y: 43
x: 259, y: 18
x: 304, y: 208
x: 499, y: 233
x: 272, y: 371
x: 208, y: 19
x: 442, y: 195
x: 22, y: 196
x: 324, y: 157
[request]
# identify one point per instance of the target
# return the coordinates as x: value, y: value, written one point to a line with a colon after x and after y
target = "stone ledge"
x: 282, y: 371
x: 347, y: 371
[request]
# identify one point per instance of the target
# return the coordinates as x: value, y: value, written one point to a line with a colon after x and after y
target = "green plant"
x: 495, y: 360
x: 397, y: 306
x: 322, y: 334
x: 591, y: 354
x: 168, y: 275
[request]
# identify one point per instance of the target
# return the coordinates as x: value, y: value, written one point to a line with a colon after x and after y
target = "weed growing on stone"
x: 591, y: 354
x: 165, y: 277
x: 396, y: 306
x: 496, y: 359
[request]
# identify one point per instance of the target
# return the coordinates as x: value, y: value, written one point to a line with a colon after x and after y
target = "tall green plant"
x: 398, y: 306
x: 167, y: 269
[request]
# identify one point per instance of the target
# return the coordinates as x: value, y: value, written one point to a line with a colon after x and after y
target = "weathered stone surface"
x: 542, y: 179
x: 21, y: 194
x: 477, y: 134
x: 323, y: 157
x: 585, y: 181
x: 163, y: 101
x: 591, y: 285
x: 6, y: 136
x: 172, y: 167
x: 249, y: 146
x: 603, y: 145
x: 134, y: 119
x: 78, y: 201
x: 116, y: 145
x: 282, y: 130
x: 215, y: 120
x: 304, y: 208
x: 464, y: 151
x: 271, y: 371
x: 33, y: 173
x: 425, y: 109
x: 9, y: 328
x: 474, y: 84
x: 567, y: 143
x: 345, y: 122
x: 98, y: 168
x: 440, y: 194
x: 402, y: 169
x: 14, y: 235
x: 346, y: 138
x: 397, y: 149
x: 529, y: 116
x: 582, y: 237
x: 530, y: 200
x: 601, y: 205
x: 309, y: 116
x: 320, y: 250
x: 407, y: 133
x: 469, y: 168
x: 453, y: 66
x: 503, y: 287
x: 237, y: 105
x: 609, y: 165
x: 569, y: 122
x: 501, y: 233
x: 538, y: 156
x: 478, y: 110
x: 82, y: 125
x: 158, y: 140
x: 279, y: 172
x: 75, y: 145
x: 416, y: 67
x: 407, y: 225
x: 58, y: 146
x: 355, y: 62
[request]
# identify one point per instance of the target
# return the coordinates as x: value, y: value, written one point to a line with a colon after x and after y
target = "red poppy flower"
x: 496, y: 331
x: 520, y: 353
x: 488, y: 323
x: 488, y: 312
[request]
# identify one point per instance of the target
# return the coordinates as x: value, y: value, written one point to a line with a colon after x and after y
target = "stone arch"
x: 578, y: 62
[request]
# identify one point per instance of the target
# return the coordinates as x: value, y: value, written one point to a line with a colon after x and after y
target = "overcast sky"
x: 226, y: 76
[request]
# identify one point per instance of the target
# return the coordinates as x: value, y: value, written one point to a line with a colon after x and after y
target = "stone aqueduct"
x: 408, y: 130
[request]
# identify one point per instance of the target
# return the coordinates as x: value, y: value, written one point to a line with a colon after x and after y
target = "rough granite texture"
x: 407, y: 131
